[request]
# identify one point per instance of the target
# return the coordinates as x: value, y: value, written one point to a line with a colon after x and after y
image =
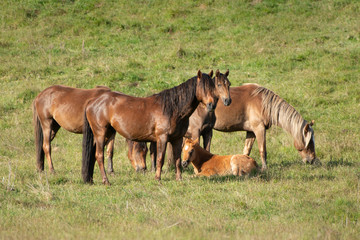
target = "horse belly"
x: 135, y: 130
x: 71, y: 121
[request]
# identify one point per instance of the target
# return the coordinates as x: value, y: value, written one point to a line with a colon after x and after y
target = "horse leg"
x: 54, y: 129
x: 260, y: 134
x: 110, y: 153
x: 153, y: 156
x: 46, y: 127
x: 207, y: 136
x: 176, y: 152
x: 170, y: 156
x: 99, y: 137
x: 250, y: 139
x: 160, y: 150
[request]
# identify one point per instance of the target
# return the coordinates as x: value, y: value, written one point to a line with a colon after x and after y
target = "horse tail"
x: 39, y: 139
x: 88, y: 153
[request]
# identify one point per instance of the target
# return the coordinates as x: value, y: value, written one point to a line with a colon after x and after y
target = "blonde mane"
x: 280, y: 113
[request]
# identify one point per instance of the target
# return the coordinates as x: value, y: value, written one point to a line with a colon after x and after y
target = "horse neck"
x: 201, y: 156
x: 181, y: 101
x: 280, y: 113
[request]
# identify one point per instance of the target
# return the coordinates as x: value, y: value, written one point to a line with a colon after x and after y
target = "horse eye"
x: 219, y: 85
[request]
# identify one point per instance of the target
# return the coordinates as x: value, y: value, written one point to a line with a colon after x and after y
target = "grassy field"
x: 306, y: 51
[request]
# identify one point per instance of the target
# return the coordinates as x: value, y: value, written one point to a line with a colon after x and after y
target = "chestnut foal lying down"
x: 208, y: 164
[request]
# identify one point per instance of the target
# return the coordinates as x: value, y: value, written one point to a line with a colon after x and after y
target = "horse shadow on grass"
x: 338, y: 162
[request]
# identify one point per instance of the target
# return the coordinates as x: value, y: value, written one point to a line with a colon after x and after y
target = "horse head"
x: 222, y: 85
x: 307, y: 147
x: 206, y: 90
x: 188, y: 151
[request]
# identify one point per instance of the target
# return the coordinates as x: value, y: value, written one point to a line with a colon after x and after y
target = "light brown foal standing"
x: 208, y: 164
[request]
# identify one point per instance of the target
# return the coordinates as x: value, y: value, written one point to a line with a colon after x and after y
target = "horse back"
x: 218, y: 165
x: 243, y: 164
x: 244, y: 112
x: 66, y: 105
x: 135, y: 118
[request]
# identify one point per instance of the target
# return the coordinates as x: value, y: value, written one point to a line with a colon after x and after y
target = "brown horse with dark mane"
x: 160, y: 118
x: 208, y: 164
x: 255, y: 109
x: 62, y: 106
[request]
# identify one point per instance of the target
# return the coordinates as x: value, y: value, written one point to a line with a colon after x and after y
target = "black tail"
x: 88, y: 153
x: 39, y: 139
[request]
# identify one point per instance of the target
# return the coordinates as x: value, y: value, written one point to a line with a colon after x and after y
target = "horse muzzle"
x: 226, y: 101
x: 185, y: 164
x: 311, y: 161
x: 140, y: 169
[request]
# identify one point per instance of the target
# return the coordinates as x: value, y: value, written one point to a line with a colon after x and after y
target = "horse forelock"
x: 280, y: 113
x: 175, y: 99
x: 222, y: 77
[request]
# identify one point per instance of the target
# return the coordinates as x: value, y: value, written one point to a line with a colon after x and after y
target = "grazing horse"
x: 255, y: 109
x: 208, y: 164
x: 61, y: 106
x: 160, y: 118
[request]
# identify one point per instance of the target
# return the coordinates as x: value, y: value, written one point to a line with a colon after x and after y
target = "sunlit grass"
x: 305, y: 51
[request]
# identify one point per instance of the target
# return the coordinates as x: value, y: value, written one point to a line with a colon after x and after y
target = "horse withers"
x: 208, y: 164
x: 160, y: 118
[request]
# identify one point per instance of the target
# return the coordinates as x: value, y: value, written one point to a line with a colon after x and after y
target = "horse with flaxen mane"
x: 208, y: 164
x: 160, y: 118
x: 61, y: 106
x: 255, y: 109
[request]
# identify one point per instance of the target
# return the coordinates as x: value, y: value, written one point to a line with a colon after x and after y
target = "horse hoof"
x: 106, y: 183
x: 263, y: 169
x: 111, y: 173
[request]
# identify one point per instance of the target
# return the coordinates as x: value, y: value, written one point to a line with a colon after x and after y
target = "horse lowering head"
x: 307, y: 148
x: 222, y: 85
x: 137, y: 155
x: 206, y: 90
x: 188, y: 151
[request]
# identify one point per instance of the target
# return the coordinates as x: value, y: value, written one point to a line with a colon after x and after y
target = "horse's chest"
x: 178, y: 129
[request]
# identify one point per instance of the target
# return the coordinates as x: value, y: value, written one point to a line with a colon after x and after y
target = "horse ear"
x: 217, y: 74
x: 199, y: 76
x: 312, y: 122
x: 306, y: 128
x: 227, y: 73
x: 211, y: 73
x: 196, y: 141
x: 307, y: 135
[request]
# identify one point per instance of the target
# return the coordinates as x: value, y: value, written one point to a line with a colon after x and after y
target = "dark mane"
x: 175, y: 99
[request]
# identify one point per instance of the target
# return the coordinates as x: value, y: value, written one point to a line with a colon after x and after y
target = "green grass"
x: 306, y: 51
